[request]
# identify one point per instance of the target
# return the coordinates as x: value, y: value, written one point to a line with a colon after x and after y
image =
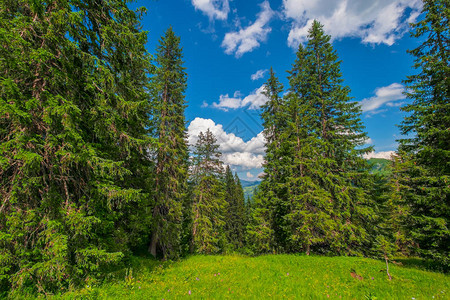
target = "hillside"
x: 380, y: 166
x: 249, y: 188
x: 280, y: 276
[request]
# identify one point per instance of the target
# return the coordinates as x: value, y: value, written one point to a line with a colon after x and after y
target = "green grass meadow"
x: 271, y: 276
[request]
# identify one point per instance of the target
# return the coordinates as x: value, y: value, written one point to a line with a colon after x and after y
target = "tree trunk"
x: 387, y: 267
x: 153, y: 243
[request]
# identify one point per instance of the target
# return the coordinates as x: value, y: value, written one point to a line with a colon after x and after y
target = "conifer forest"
x: 96, y: 168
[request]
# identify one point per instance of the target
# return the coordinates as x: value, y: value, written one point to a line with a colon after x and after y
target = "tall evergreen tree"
x: 172, y: 150
x: 319, y: 204
x: 327, y: 153
x: 427, y: 126
x: 266, y: 222
x: 309, y: 218
x: 392, y: 210
x: 208, y: 205
x: 240, y: 209
x: 235, y: 213
x: 73, y: 139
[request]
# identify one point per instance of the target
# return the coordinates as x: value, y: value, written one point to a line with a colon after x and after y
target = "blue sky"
x: 229, y: 45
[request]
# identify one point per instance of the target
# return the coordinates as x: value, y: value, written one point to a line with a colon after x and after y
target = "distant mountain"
x: 380, y: 166
x: 249, y: 187
x: 246, y: 183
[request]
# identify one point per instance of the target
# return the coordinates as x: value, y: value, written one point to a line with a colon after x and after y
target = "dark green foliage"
x: 235, y: 214
x: 427, y: 147
x: 393, y: 210
x: 171, y: 152
x: 260, y: 233
x: 328, y: 208
x: 312, y: 196
x: 264, y: 228
x: 73, y: 139
x: 208, y: 204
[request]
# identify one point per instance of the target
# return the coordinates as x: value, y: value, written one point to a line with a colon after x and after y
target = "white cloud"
x: 256, y: 144
x: 214, y: 9
x: 253, y: 101
x: 250, y: 175
x: 235, y: 152
x: 383, y: 96
x: 249, y: 38
x: 374, y: 22
x: 246, y: 160
x: 368, y: 141
x: 385, y: 155
x: 259, y: 74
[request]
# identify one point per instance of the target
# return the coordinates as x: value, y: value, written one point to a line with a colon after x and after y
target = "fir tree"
x: 208, y: 205
x: 326, y: 206
x: 266, y: 222
x: 240, y: 212
x: 394, y: 210
x: 427, y: 146
x: 73, y: 139
x: 235, y: 214
x: 172, y: 151
x: 230, y: 216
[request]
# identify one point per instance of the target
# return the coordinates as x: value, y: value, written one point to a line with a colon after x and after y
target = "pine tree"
x: 310, y: 214
x: 172, y: 150
x: 427, y: 126
x: 265, y: 225
x: 240, y: 212
x: 388, y: 235
x: 73, y: 139
x: 394, y: 209
x: 230, y: 216
x: 327, y: 206
x: 235, y: 214
x: 208, y: 205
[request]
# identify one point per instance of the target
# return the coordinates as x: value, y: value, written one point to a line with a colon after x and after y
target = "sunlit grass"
x: 280, y: 276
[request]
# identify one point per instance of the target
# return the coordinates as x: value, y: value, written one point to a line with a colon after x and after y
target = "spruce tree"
x: 427, y: 125
x: 327, y: 208
x: 391, y: 210
x: 208, y: 205
x: 240, y: 212
x: 235, y: 213
x: 230, y: 216
x: 73, y: 139
x: 310, y: 213
x: 266, y: 222
x: 172, y: 155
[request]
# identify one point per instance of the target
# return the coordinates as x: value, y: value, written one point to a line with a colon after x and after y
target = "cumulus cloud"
x: 235, y: 151
x: 253, y: 101
x: 368, y: 141
x: 249, y: 38
x: 383, y: 96
x: 214, y: 9
x: 250, y: 175
x: 374, y: 22
x: 258, y: 75
x: 385, y: 155
x: 243, y: 159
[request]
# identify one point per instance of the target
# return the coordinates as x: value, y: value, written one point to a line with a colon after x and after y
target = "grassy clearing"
x: 280, y: 276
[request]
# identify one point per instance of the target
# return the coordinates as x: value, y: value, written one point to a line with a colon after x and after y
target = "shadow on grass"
x: 421, y: 264
x: 132, y: 265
